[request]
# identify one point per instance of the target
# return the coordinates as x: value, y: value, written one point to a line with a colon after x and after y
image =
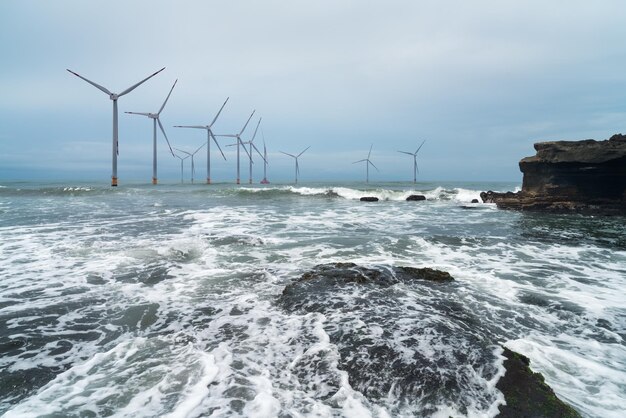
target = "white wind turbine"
x: 414, y: 154
x: 251, y: 143
x: 210, y: 135
x: 296, y: 158
x: 114, y: 97
x: 367, y: 165
x: 191, y: 154
x: 155, y: 120
x: 238, y: 136
x: 264, y: 181
x: 181, y: 165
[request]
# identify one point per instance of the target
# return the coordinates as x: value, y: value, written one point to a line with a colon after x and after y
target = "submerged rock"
x: 526, y: 393
x: 369, y: 199
x: 416, y: 197
x: 475, y: 201
x: 571, y: 176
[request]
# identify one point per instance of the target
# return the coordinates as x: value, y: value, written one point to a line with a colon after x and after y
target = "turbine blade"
x: 98, y: 86
x: 255, y: 131
x: 369, y: 153
x: 184, y: 152
x: 258, y: 152
x: 220, y: 111
x: 304, y: 150
x: 190, y: 126
x: 404, y: 152
x: 167, y: 98
x: 199, y: 148
x: 420, y: 147
x: 244, y: 148
x: 248, y: 121
x: 360, y: 161
x: 165, y: 135
x: 216, y: 143
x: 134, y: 86
x: 138, y: 113
x: 373, y: 165
x: 291, y: 155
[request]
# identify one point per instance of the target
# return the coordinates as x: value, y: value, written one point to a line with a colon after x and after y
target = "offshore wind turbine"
x: 114, y: 97
x: 264, y: 181
x: 414, y: 154
x: 367, y: 165
x: 296, y: 158
x: 155, y: 120
x: 181, y: 165
x: 238, y: 136
x: 191, y: 154
x: 209, y: 134
x: 251, y: 143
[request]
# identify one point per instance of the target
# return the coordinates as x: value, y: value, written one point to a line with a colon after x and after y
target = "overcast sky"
x: 480, y: 81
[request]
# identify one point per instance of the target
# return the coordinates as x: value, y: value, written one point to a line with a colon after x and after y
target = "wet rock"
x: 571, y: 176
x: 475, y: 201
x: 416, y: 197
x: 426, y: 274
x: 369, y: 199
x: 526, y: 392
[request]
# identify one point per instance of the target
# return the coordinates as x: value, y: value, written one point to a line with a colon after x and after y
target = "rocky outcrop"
x: 526, y: 392
x: 416, y: 197
x: 571, y: 176
x: 369, y: 199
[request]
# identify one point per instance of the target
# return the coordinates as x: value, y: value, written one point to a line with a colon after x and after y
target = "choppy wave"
x: 169, y: 301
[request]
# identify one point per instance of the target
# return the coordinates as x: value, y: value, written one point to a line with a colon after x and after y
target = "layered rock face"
x: 571, y: 176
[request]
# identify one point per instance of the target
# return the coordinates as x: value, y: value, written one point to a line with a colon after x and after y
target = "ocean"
x: 171, y: 300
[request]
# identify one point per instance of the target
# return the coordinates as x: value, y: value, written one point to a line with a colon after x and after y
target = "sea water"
x: 168, y: 300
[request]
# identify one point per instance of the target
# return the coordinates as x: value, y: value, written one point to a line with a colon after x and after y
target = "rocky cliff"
x: 571, y: 176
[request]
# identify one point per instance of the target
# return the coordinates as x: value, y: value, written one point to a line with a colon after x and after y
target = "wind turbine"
x: 264, y: 181
x: 296, y: 158
x: 209, y: 134
x: 114, y: 97
x: 191, y: 154
x: 367, y: 165
x: 414, y: 154
x: 238, y: 136
x: 251, y: 143
x: 181, y: 165
x: 155, y: 120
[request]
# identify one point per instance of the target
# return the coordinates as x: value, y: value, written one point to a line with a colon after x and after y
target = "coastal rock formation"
x: 369, y: 199
x: 571, y: 176
x: 526, y: 392
x: 416, y: 197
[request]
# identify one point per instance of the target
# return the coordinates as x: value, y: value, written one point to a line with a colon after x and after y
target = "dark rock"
x: 526, y: 392
x: 475, y: 201
x: 369, y: 199
x: 571, y: 176
x: 416, y: 197
x: 426, y: 274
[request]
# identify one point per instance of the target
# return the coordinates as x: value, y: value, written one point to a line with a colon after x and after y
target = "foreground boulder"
x: 526, y: 392
x: 571, y: 176
x: 369, y: 199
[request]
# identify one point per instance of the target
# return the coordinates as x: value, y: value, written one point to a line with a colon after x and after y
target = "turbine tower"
x: 238, y: 136
x: 264, y: 181
x: 209, y: 134
x: 414, y: 154
x: 114, y: 97
x: 296, y: 158
x: 181, y: 166
x: 251, y: 143
x: 367, y: 165
x: 155, y: 120
x: 191, y: 154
